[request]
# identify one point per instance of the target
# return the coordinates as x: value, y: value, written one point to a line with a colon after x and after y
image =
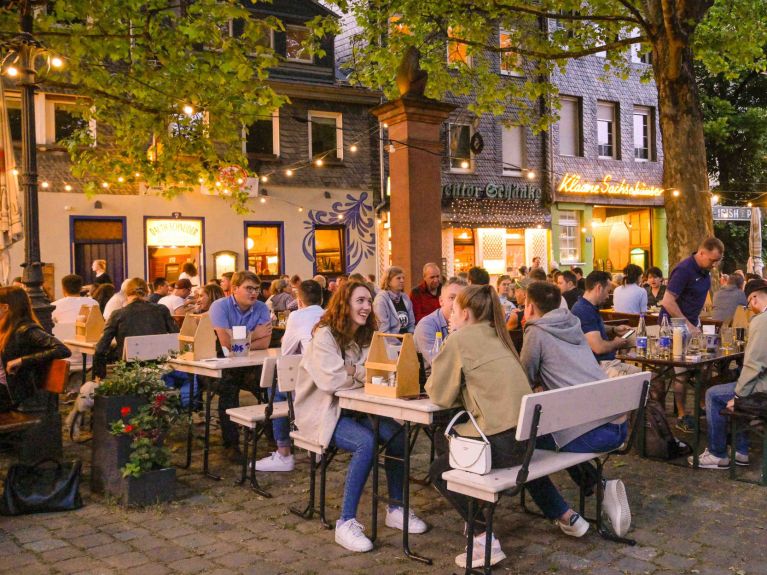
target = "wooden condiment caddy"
x: 197, y: 339
x: 404, y: 367
x: 89, y: 324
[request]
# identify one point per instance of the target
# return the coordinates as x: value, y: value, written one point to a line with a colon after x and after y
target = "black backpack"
x: 660, y: 442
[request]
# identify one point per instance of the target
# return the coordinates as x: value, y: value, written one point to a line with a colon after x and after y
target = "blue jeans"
x: 356, y: 436
x: 280, y: 425
x: 599, y: 440
x: 178, y: 379
x: 716, y: 400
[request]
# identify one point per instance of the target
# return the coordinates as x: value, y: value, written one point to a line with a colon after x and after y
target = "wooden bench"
x: 541, y: 414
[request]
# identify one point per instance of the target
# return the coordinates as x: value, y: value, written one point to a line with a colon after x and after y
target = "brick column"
x: 415, y: 170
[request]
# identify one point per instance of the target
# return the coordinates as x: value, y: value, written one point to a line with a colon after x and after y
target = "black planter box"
x: 158, y: 486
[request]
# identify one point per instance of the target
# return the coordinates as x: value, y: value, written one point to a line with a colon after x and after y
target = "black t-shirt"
x: 401, y: 314
x: 104, y: 278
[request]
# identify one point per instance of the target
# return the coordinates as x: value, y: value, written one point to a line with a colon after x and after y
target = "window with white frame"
x: 262, y: 137
x: 569, y: 238
x: 513, y: 148
x: 606, y: 130
x: 325, y: 135
x: 570, y: 127
x: 459, y: 144
x: 511, y: 63
x: 643, y: 123
x: 295, y: 48
x: 61, y: 121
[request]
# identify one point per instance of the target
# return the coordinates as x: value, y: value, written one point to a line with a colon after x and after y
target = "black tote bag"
x: 45, y: 486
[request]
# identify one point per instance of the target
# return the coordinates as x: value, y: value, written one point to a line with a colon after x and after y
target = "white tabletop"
x: 413, y: 410
x: 214, y: 367
x: 87, y: 347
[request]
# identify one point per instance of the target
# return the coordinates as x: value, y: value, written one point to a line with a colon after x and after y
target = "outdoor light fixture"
x: 326, y: 194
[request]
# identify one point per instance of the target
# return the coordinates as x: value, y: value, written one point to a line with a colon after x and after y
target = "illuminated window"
x: 459, y: 139
x: 457, y: 52
x: 569, y: 238
x: 570, y: 127
x: 295, y: 48
x: 606, y: 130
x: 263, y: 249
x: 463, y: 249
x: 330, y: 249
x: 511, y: 63
x: 643, y: 124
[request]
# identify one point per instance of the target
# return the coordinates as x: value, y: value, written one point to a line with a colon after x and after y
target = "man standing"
x: 175, y: 301
x: 568, y: 285
x: 68, y: 307
x: 160, y: 289
x: 753, y: 379
x: 242, y: 308
x: 425, y: 296
x: 603, y: 340
x: 427, y: 329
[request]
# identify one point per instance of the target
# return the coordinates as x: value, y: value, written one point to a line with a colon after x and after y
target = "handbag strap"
x: 473, y: 421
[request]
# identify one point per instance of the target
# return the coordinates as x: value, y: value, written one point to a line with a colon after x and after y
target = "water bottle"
x: 664, y: 339
x: 642, y: 337
x: 437, y: 347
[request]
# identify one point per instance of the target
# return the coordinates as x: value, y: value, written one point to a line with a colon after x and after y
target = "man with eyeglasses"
x: 242, y: 308
x: 686, y: 291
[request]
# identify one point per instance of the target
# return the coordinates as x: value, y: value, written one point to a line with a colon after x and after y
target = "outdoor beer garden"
x: 323, y: 287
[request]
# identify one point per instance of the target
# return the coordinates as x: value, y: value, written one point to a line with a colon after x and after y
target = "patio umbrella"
x: 10, y: 213
x: 755, y: 242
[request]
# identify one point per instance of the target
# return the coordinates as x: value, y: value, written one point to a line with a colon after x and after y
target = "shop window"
x: 643, y: 122
x: 513, y: 147
x: 262, y: 137
x: 295, y: 44
x: 464, y: 251
x: 326, y: 135
x: 262, y: 242
x: 570, y: 127
x: 606, y: 130
x: 459, y: 144
x: 170, y: 243
x: 569, y: 239
x: 457, y: 52
x: 330, y: 249
x: 511, y: 63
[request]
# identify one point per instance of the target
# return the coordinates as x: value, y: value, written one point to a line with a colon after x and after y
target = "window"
x: 61, y: 121
x: 14, y: 117
x: 513, y: 148
x: 643, y: 123
x: 457, y: 52
x: 606, y: 131
x: 640, y: 53
x: 262, y: 242
x: 459, y: 144
x: 262, y: 137
x: 463, y: 249
x: 569, y: 239
x: 570, y: 127
x: 295, y: 39
x: 330, y: 249
x: 511, y: 64
x: 326, y: 135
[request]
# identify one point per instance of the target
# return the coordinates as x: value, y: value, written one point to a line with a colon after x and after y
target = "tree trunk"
x: 684, y: 149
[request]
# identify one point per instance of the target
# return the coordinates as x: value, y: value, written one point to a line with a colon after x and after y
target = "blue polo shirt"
x: 690, y: 284
x: 225, y: 313
x: 588, y: 313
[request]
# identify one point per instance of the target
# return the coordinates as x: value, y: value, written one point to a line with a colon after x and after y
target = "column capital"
x: 413, y: 109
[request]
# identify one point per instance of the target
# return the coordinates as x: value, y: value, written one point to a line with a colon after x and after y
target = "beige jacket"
x: 753, y: 376
x: 494, y: 379
x: 321, y: 373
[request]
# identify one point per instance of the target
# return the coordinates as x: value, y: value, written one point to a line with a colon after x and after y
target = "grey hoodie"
x: 555, y: 354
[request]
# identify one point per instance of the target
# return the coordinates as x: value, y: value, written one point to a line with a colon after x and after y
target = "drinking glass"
x: 727, y: 339
x: 740, y: 337
x: 652, y: 347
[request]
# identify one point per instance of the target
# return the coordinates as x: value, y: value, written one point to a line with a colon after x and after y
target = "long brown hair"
x: 19, y: 311
x: 484, y: 304
x: 338, y: 317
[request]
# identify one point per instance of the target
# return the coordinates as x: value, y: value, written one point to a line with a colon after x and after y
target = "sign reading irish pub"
x: 574, y: 184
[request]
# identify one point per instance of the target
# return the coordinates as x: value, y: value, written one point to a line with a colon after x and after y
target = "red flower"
x: 159, y: 399
x: 128, y: 428
x: 125, y: 411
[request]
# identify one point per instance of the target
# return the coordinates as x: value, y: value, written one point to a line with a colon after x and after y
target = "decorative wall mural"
x: 357, y: 218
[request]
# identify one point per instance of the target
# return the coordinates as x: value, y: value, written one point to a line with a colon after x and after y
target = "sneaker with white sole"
x: 616, y: 506
x: 350, y: 535
x: 395, y: 518
x: 708, y: 460
x: 740, y: 459
x: 576, y: 526
x: 276, y: 462
x: 478, y: 553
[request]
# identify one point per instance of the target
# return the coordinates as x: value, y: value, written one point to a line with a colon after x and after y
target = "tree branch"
x: 638, y: 15
x: 564, y: 16
x: 105, y: 94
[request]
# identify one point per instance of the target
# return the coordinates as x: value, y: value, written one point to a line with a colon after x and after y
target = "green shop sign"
x: 492, y: 191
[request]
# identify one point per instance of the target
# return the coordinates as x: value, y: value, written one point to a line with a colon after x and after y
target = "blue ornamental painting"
x: 356, y: 216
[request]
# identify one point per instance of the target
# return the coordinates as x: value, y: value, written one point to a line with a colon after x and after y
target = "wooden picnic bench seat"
x: 541, y: 414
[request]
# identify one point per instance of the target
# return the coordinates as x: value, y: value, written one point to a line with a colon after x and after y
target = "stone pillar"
x: 415, y: 170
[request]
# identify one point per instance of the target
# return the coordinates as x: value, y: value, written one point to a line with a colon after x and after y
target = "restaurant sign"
x: 574, y: 184
x: 731, y: 213
x: 173, y: 232
x: 491, y: 191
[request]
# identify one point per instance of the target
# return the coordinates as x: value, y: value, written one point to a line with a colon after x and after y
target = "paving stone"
x: 632, y: 565
x: 191, y: 565
x: 92, y: 540
x: 168, y: 553
x: 45, y: 545
x: 103, y: 551
x: 127, y: 560
x: 31, y: 534
x: 60, y: 554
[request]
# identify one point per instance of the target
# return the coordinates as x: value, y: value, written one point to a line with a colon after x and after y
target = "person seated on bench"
x: 753, y: 379
x: 555, y: 354
x: 478, y: 370
x: 27, y: 349
x: 335, y: 360
x: 298, y: 334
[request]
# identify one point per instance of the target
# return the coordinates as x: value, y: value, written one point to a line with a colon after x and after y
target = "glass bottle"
x: 664, y: 339
x: 641, y: 337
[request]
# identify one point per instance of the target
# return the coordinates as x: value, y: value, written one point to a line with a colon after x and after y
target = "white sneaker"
x: 576, y: 526
x: 349, y: 535
x: 275, y: 462
x: 395, y: 517
x: 616, y: 506
x: 478, y: 553
x: 708, y: 460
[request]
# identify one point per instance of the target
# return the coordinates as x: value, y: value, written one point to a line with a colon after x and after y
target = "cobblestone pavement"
x: 684, y: 522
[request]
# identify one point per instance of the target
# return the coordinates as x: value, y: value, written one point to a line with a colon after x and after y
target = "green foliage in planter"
x: 135, y: 378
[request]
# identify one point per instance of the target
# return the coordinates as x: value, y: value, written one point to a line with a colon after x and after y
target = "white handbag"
x: 466, y: 453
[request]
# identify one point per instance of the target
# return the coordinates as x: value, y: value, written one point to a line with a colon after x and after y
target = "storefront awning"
x: 493, y: 213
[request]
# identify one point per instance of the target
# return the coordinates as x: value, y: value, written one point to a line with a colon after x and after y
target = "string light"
x: 319, y: 162
x: 45, y: 184
x: 188, y: 110
x: 750, y: 204
x: 15, y: 172
x: 288, y: 172
x: 675, y: 193
x: 105, y: 185
x: 531, y: 175
x: 264, y: 179
x: 57, y: 62
x: 67, y: 187
x: 240, y: 181
x: 263, y: 200
x: 120, y: 179
x: 300, y: 208
x: 201, y: 180
x: 136, y: 175
x: 353, y: 148
x: 340, y: 216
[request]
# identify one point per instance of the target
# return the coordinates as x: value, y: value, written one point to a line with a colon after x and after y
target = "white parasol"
x: 755, y: 264
x: 10, y: 213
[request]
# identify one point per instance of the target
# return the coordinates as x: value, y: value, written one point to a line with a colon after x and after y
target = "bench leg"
x: 245, y: 448
x: 470, y: 536
x: 733, y: 445
x: 600, y: 498
x: 488, y: 538
x: 324, y: 461
x: 308, y: 511
x: 253, y: 481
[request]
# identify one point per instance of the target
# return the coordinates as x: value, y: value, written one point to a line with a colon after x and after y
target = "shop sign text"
x: 492, y: 191
x: 173, y: 232
x: 574, y: 184
x: 731, y: 213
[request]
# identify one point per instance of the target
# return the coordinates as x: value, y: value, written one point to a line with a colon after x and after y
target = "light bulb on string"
x: 264, y: 179
x: 300, y: 208
x: 319, y: 162
x: 464, y: 165
x: 136, y: 175
x: 353, y: 148
x: 105, y: 185
x: 675, y: 193
x: 188, y: 110
x: 531, y: 175
x: 750, y: 205
x: 120, y: 179
x: 15, y: 172
x: 263, y: 200
x: 45, y: 184
x: 67, y: 187
x: 57, y: 62
x: 288, y: 172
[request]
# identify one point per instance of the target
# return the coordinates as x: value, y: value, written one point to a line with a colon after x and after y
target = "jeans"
x: 229, y: 396
x: 356, y: 436
x: 185, y: 382
x: 716, y: 400
x: 280, y: 425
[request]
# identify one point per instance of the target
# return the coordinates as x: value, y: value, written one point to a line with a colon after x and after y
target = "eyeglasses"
x: 250, y: 289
